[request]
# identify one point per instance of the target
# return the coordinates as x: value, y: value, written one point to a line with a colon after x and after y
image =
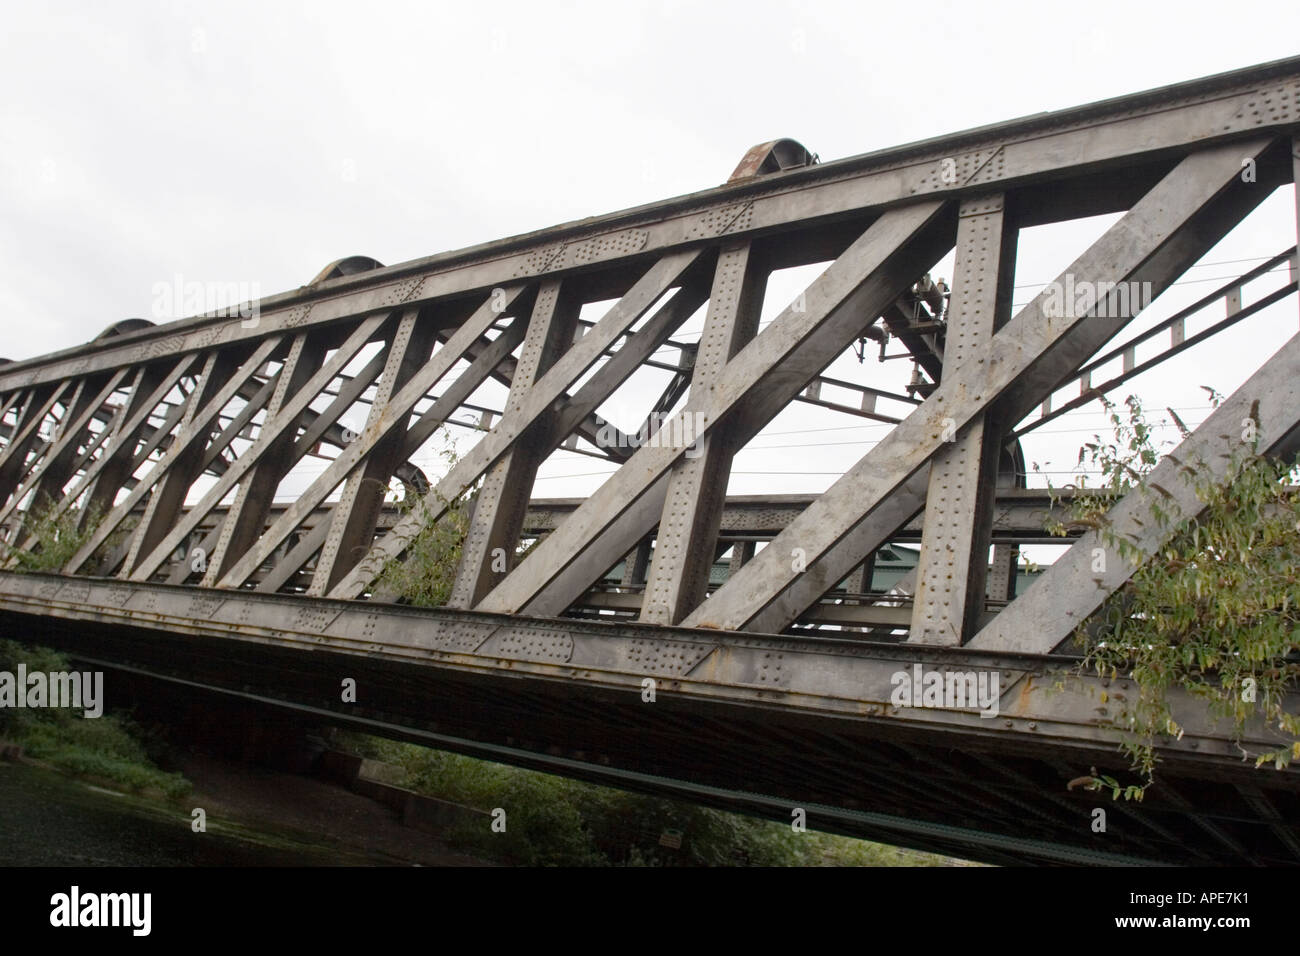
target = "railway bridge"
x: 232, y: 480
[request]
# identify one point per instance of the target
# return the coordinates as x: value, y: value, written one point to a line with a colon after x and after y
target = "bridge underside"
x: 232, y: 529
x: 732, y: 724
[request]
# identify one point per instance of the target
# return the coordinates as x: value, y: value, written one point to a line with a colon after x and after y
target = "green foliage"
x: 424, y: 574
x: 58, y: 536
x: 1215, y: 612
x: 555, y: 821
x: 107, y: 747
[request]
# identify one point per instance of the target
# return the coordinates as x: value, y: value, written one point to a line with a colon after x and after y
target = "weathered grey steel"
x: 714, y: 669
x: 392, y: 416
x: 287, y: 418
x: 46, y: 480
x: 272, y: 465
x: 221, y: 377
x: 1020, y: 514
x: 601, y: 549
x: 504, y: 371
x: 1027, y: 357
x: 13, y: 459
x: 958, y: 518
x: 824, y: 571
x: 652, y: 285
x: 206, y: 401
x: 635, y: 349
x: 688, y: 528
x: 352, y: 521
x: 253, y: 499
x: 741, y: 552
x: 776, y: 364
x: 109, y: 472
x: 493, y: 359
x: 485, y: 360
x: 826, y: 675
x: 498, y: 518
x: 131, y: 423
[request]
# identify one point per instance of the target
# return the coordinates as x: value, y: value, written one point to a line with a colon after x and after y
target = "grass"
x: 107, y: 748
x: 554, y: 821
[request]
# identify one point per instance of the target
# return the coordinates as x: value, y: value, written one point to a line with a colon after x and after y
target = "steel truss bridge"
x: 773, y: 680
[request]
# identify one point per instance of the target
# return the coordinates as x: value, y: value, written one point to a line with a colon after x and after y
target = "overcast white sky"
x: 257, y: 141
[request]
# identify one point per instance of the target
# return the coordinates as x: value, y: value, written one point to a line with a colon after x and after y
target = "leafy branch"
x: 56, y: 538
x: 1215, y: 612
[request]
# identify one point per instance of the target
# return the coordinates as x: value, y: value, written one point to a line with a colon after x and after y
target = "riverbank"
x: 253, y: 817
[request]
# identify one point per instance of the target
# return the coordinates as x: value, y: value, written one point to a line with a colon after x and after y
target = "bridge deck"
x: 763, y: 723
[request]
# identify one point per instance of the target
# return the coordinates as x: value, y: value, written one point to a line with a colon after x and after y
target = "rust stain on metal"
x: 772, y: 157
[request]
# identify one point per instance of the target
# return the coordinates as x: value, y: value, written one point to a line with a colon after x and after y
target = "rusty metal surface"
x: 774, y: 156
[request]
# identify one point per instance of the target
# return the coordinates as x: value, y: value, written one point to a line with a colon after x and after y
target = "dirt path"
x: 314, y: 811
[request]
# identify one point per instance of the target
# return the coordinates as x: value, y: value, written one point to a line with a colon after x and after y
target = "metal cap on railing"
x: 124, y: 327
x: 773, y: 157
x: 347, y: 266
